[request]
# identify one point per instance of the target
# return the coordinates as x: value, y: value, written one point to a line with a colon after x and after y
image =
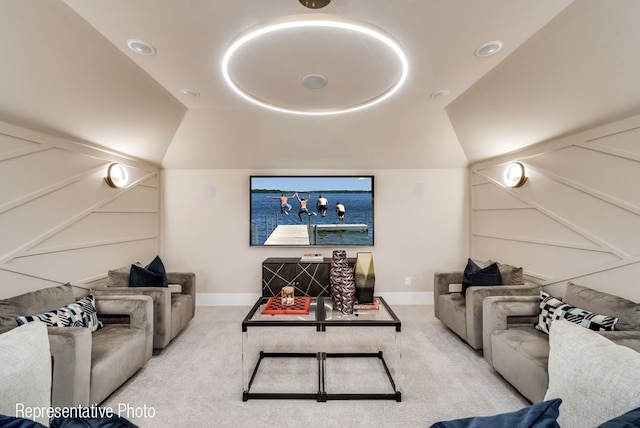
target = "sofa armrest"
x: 71, y: 369
x: 475, y: 296
x: 188, y: 282
x: 139, y: 309
x: 441, y: 281
x: 161, y: 308
x: 496, y: 311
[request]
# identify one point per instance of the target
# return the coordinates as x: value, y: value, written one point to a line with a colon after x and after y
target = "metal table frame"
x: 320, y: 323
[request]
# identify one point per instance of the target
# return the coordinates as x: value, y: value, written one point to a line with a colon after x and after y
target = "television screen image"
x: 311, y: 210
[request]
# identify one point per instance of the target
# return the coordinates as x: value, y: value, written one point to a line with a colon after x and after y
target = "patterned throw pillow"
x: 49, y: 318
x: 552, y: 309
x: 81, y: 313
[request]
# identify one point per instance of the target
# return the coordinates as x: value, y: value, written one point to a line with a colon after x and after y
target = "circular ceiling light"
x: 314, y: 4
x: 141, y: 47
x: 489, y: 48
x: 515, y: 175
x: 117, y: 176
x: 317, y: 21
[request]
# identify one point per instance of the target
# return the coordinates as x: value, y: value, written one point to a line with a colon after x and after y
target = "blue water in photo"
x: 266, y: 216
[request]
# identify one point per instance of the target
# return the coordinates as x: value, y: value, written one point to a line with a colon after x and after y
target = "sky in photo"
x: 310, y: 184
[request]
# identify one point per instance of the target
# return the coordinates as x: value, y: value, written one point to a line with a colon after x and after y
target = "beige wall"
x: 578, y: 216
x: 421, y: 225
x: 59, y: 221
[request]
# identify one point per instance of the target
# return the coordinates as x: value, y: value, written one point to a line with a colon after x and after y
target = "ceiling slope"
x: 409, y: 130
x: 581, y: 70
x: 60, y: 76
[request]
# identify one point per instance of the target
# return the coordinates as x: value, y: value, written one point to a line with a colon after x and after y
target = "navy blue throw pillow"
x: 157, y: 266
x: 13, y: 422
x: 631, y: 419
x: 475, y: 275
x: 539, y: 415
x: 104, y: 422
x: 152, y: 275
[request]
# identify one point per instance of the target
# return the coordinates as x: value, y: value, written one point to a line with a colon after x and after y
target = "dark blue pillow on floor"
x: 539, y: 415
x: 13, y: 422
x: 630, y: 419
x: 105, y: 422
x: 475, y: 275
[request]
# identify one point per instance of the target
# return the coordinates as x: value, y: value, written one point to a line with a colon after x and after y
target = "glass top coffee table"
x: 321, y: 355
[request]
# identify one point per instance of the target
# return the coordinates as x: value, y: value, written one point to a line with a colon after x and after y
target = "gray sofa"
x: 520, y: 353
x: 173, y: 306
x: 463, y: 315
x: 88, y: 366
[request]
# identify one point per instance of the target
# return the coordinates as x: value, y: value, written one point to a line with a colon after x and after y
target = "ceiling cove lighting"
x: 515, y: 175
x: 315, y: 21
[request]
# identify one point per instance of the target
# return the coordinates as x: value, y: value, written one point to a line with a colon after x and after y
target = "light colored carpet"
x: 197, y: 382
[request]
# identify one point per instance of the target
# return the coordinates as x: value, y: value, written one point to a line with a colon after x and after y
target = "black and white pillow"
x: 81, y: 313
x: 552, y: 308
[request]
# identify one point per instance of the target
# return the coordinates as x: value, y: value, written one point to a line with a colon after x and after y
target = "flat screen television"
x: 335, y: 210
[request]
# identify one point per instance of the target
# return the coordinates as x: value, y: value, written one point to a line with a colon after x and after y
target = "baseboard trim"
x: 248, y: 299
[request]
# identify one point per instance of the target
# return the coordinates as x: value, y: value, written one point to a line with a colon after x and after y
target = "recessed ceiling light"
x: 489, y: 48
x: 316, y: 21
x: 141, y: 47
x: 442, y: 93
x: 314, y: 81
x: 189, y: 93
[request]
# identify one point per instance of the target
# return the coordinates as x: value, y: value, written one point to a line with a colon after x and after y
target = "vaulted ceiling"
x: 565, y: 66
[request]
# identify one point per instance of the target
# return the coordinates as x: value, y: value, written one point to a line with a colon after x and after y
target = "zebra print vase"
x: 343, y: 287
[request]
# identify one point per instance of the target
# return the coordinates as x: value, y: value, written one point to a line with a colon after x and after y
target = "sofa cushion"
x: 81, y: 313
x: 117, y: 352
x: 34, y: 302
x: 520, y: 354
x: 25, y: 370
x: 552, y: 309
x: 120, y: 277
x: 475, y: 275
x: 596, y: 379
x: 592, y: 300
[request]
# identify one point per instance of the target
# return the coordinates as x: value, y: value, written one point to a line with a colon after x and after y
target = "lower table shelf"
x: 322, y: 395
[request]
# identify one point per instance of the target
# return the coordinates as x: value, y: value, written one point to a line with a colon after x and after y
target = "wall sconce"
x: 117, y: 176
x: 515, y: 175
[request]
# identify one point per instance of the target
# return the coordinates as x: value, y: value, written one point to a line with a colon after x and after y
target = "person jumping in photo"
x: 340, y: 210
x: 303, y: 206
x: 322, y: 204
x: 285, y: 207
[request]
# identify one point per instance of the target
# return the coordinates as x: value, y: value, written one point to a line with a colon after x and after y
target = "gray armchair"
x: 88, y: 366
x: 463, y: 314
x: 520, y: 353
x: 173, y: 306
